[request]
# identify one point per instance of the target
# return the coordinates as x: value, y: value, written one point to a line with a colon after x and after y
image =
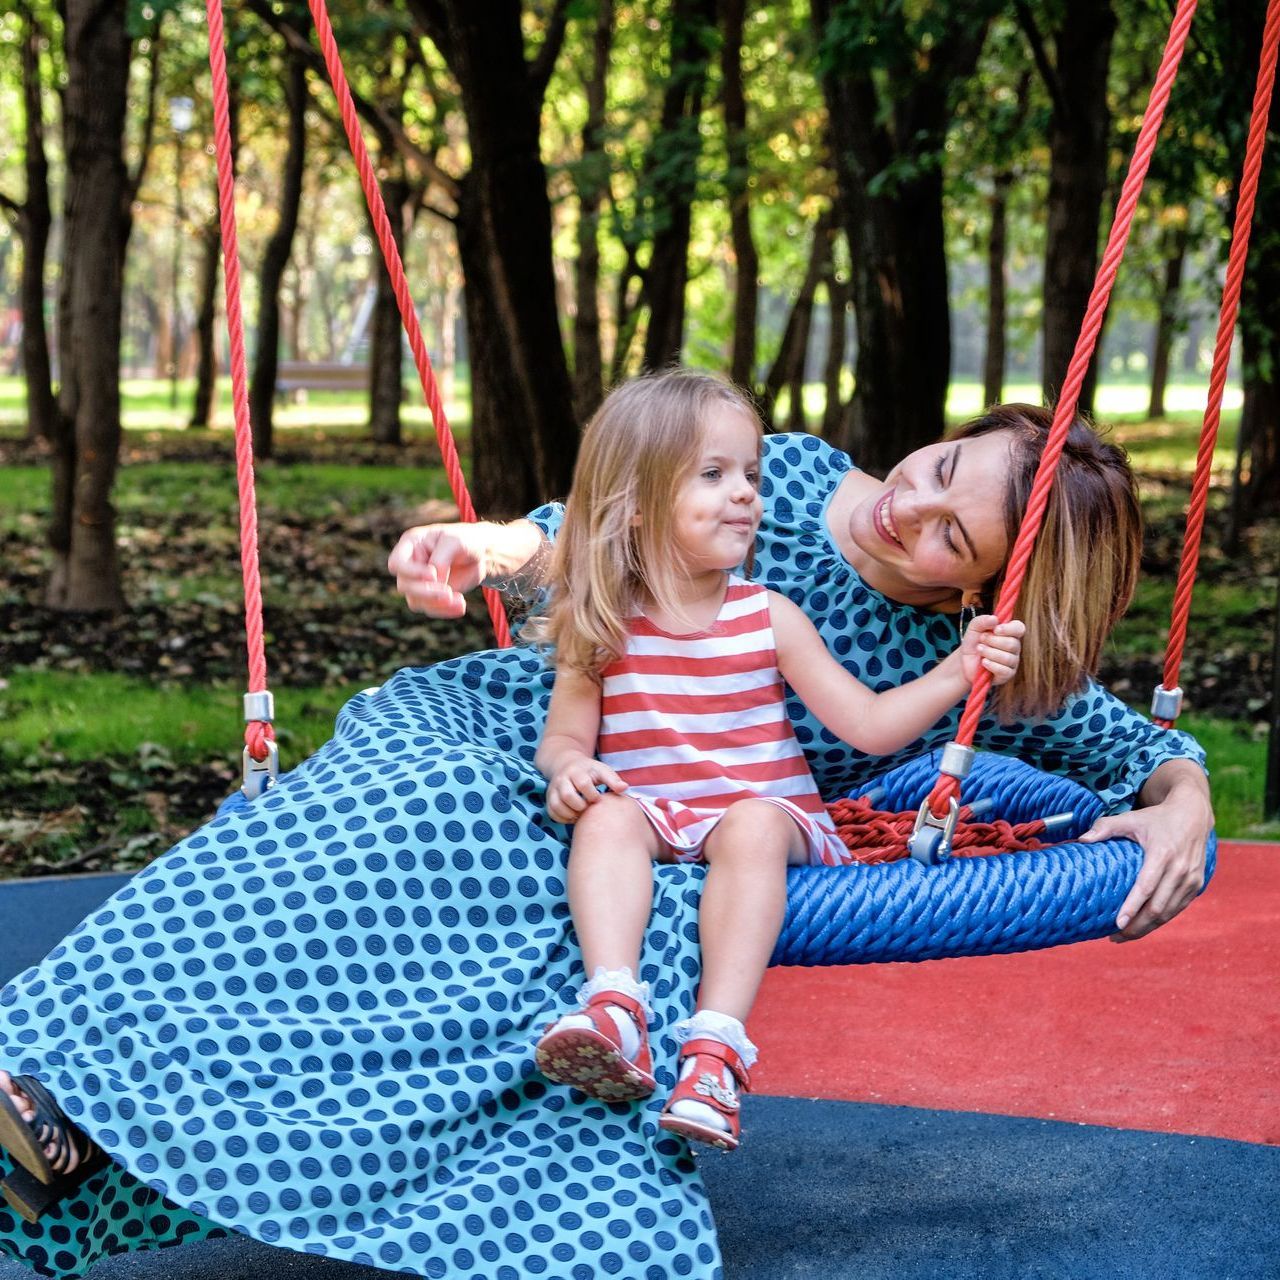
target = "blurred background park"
x: 880, y: 215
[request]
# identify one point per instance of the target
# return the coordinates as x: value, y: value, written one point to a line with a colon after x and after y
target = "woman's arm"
x: 882, y: 723
x: 1127, y: 760
x: 1172, y: 826
x: 566, y: 755
x: 436, y: 564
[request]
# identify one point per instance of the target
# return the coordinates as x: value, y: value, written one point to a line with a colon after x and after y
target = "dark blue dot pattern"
x: 312, y: 1021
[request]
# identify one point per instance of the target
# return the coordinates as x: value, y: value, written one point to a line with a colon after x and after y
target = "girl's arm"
x: 566, y: 755
x: 881, y: 723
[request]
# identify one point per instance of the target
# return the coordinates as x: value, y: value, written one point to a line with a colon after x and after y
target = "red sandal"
x: 705, y: 1084
x: 591, y: 1058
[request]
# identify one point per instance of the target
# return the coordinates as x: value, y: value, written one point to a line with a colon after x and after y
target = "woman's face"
x: 938, y: 521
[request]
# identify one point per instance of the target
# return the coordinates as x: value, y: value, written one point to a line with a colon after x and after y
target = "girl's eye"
x: 937, y: 471
x: 949, y: 540
x: 753, y: 479
x: 711, y: 473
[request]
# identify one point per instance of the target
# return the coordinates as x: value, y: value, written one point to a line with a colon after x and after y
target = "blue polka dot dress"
x: 313, y: 1020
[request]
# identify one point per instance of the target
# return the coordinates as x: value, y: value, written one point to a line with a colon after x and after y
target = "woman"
x: 313, y: 1020
x: 934, y: 535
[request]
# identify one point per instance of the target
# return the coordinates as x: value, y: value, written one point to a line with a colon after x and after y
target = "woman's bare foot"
x: 28, y: 1112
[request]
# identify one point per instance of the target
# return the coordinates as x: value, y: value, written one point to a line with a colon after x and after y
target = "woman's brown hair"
x: 1081, y: 575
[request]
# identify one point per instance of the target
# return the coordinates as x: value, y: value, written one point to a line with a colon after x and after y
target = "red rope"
x: 873, y: 836
x: 395, y: 267
x: 947, y: 786
x: 257, y: 733
x: 1222, y: 349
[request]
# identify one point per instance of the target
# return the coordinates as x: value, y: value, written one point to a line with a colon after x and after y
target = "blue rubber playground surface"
x: 843, y: 1189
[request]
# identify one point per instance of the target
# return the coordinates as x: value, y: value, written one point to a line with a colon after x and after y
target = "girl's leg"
x: 604, y: 1049
x: 744, y: 900
x: 743, y: 903
x: 611, y: 883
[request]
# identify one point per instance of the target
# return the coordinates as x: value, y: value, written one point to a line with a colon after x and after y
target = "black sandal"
x: 37, y: 1182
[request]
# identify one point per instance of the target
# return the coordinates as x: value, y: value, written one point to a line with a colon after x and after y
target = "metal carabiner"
x: 260, y: 775
x: 930, y: 839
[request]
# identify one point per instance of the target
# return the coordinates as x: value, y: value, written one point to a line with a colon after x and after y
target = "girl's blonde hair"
x: 616, y: 546
x: 1084, y: 568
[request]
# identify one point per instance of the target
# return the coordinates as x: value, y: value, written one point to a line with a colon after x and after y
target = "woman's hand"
x: 435, y: 564
x: 997, y: 646
x: 1173, y: 829
x: 574, y: 785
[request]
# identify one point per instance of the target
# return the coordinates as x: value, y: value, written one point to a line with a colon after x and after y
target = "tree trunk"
x: 1167, y: 323
x: 997, y: 282
x: 1078, y: 135
x: 34, y: 223
x: 673, y: 179
x: 266, y: 363
x: 86, y: 432
x: 887, y: 161
x: 523, y: 433
x: 1271, y: 792
x: 206, y: 316
x: 593, y: 182
x: 386, y: 386
x: 746, y: 289
x: 833, y: 414
x: 788, y: 367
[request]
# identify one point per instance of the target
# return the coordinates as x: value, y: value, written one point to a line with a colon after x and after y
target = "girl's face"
x: 717, y: 506
x: 938, y: 521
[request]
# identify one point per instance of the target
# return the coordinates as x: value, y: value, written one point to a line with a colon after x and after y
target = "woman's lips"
x: 882, y: 518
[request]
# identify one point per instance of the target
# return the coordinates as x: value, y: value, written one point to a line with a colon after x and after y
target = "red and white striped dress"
x: 695, y: 722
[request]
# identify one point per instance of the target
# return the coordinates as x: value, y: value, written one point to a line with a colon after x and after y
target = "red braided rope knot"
x: 873, y: 836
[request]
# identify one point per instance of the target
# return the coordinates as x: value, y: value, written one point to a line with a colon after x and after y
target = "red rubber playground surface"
x: 1176, y: 1033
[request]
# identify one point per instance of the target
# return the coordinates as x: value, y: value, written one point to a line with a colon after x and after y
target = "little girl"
x: 668, y: 740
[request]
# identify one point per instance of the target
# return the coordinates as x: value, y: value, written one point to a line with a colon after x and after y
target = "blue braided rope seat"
x: 1070, y: 892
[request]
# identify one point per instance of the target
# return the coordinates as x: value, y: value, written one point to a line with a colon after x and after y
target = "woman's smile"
x: 882, y: 518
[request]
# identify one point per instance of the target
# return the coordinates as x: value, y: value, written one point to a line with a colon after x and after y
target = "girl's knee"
x: 613, y: 816
x: 754, y: 830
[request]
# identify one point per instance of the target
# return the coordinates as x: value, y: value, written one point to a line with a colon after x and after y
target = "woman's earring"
x: 967, y: 614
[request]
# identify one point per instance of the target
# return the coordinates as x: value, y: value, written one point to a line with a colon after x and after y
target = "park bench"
x: 301, y: 375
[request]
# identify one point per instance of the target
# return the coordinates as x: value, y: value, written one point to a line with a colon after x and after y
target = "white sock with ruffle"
x: 707, y: 1024
x: 621, y: 980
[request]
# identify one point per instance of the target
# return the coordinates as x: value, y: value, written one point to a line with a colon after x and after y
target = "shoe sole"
x: 18, y: 1140
x: 591, y: 1062
x: 696, y: 1132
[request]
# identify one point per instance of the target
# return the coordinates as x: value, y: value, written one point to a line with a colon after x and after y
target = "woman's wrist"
x: 1179, y: 787
x: 514, y: 557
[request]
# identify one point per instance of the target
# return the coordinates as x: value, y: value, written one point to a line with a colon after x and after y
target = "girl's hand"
x: 435, y: 564
x: 573, y: 786
x: 997, y: 646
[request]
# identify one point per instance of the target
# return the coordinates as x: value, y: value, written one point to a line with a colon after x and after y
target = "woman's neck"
x: 855, y: 488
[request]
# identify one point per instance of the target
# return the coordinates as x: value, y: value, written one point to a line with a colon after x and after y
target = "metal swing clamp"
x: 931, y: 837
x: 259, y: 775
x: 1166, y: 704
